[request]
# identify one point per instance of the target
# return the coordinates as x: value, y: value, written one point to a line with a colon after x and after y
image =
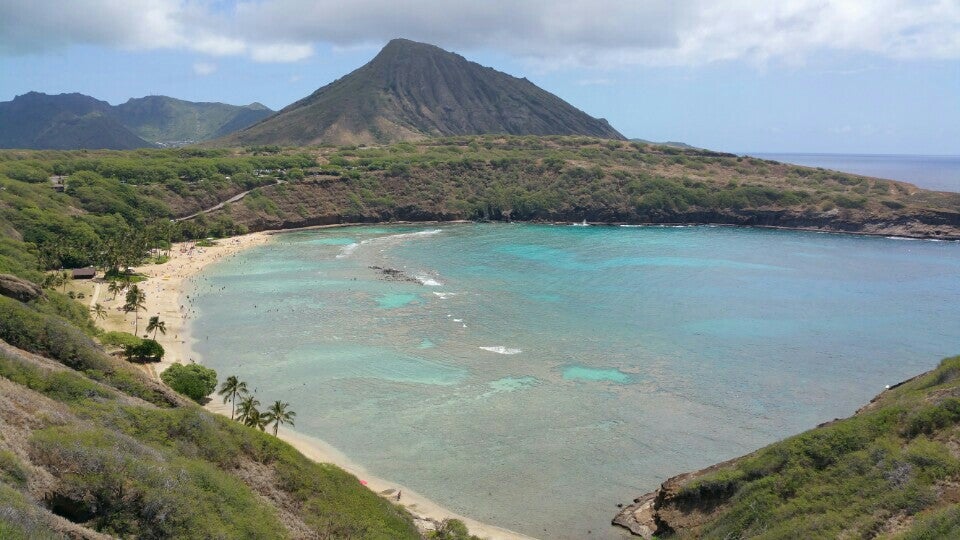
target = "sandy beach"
x: 165, y: 297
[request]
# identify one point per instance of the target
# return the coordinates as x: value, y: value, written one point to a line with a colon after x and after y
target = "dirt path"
x: 221, y: 204
x: 95, y: 295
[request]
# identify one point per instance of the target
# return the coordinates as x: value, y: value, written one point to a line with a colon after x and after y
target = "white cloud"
x: 204, y: 68
x: 281, y: 52
x: 600, y: 33
x: 217, y: 45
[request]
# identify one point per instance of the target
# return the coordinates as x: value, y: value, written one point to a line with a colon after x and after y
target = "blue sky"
x: 878, y: 76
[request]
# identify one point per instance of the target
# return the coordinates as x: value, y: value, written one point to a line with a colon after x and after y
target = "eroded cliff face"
x: 669, y: 511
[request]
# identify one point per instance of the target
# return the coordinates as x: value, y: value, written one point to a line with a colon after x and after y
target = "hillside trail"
x: 221, y: 204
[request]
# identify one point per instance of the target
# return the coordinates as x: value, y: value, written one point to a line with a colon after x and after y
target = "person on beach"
x: 399, y: 492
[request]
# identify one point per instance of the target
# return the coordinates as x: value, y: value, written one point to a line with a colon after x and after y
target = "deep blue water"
x: 939, y: 173
x: 535, y: 376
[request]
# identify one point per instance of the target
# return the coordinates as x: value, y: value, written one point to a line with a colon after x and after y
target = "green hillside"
x: 890, y: 471
x: 89, y: 443
x: 65, y: 121
x: 175, y: 122
x: 578, y: 178
x: 75, y: 121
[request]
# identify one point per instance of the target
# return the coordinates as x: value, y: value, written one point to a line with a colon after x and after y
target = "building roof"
x: 84, y: 273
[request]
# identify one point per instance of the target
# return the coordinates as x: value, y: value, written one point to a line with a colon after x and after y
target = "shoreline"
x: 165, y: 288
x: 625, y: 224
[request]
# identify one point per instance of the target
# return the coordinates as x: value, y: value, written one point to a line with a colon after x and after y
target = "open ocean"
x: 535, y: 376
x: 939, y: 173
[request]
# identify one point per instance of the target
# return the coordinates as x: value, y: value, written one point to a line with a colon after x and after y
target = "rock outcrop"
x: 668, y: 511
x: 19, y: 289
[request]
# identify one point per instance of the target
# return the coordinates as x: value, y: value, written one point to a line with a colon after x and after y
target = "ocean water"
x: 939, y: 173
x: 535, y: 376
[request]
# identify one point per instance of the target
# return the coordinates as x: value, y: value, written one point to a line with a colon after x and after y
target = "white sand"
x: 164, y: 290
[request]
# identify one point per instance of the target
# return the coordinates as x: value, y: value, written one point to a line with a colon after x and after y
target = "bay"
x: 534, y: 376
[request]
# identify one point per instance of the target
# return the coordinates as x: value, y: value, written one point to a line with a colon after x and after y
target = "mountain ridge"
x: 61, y: 122
x: 67, y: 121
x: 172, y: 121
x: 412, y: 90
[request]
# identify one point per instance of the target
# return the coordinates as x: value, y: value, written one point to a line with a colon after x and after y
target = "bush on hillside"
x: 147, y: 350
x: 193, y: 380
x: 120, y: 339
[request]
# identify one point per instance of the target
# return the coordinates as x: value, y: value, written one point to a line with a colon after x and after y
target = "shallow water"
x: 549, y: 372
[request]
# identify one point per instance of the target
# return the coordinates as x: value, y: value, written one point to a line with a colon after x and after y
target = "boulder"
x: 19, y: 289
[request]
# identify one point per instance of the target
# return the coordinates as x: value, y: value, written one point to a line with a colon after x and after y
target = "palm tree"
x: 99, y: 312
x: 278, y: 414
x: 257, y: 419
x: 155, y: 324
x: 114, y: 288
x: 65, y: 278
x: 51, y: 281
x: 230, y: 389
x: 135, y: 299
x: 248, y: 410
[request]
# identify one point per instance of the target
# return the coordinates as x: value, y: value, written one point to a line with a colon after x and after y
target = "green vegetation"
x: 147, y: 350
x: 31, y: 327
x: 135, y: 301
x: 231, y: 389
x: 192, y: 380
x: 892, y: 465
x: 125, y: 468
x: 120, y: 339
x: 154, y: 325
x: 452, y: 529
x: 162, y: 119
x: 279, y: 414
x: 117, y: 206
x: 576, y: 178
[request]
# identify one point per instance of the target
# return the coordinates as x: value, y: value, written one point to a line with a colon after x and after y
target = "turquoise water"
x: 546, y: 373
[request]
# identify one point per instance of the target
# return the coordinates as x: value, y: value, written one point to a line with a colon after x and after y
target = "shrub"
x: 933, y: 418
x: 452, y: 529
x: 12, y: 470
x: 147, y: 350
x: 120, y: 339
x: 193, y: 380
x: 125, y: 488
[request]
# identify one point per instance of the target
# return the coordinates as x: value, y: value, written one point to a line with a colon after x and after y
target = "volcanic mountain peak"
x: 413, y: 90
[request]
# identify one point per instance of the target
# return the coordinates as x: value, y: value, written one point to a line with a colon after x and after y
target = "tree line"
x: 276, y: 414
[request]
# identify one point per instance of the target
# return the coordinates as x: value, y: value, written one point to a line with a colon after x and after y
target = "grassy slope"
x: 571, y: 179
x: 100, y: 444
x: 891, y: 470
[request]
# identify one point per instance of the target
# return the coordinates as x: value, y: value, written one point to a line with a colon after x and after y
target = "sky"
x: 836, y: 76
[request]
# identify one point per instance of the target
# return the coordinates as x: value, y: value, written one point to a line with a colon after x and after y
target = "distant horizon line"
x: 855, y: 154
